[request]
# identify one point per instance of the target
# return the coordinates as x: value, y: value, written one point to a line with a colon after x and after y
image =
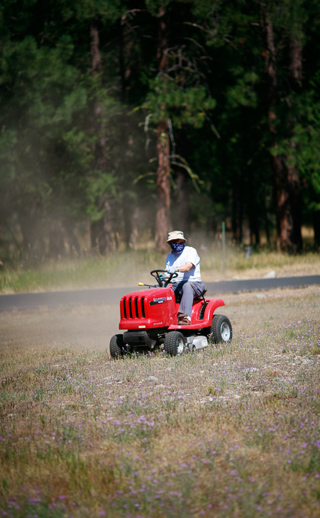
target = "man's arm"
x: 185, y: 267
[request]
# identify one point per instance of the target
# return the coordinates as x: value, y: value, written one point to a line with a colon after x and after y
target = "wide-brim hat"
x: 175, y: 234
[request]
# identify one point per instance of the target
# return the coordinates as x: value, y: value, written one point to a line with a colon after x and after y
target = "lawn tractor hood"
x: 148, y: 309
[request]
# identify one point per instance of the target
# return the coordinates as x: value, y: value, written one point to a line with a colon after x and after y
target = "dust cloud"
x: 89, y: 328
x: 83, y: 327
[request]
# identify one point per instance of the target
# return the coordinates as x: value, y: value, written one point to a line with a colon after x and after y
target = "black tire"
x: 116, y: 346
x: 174, y: 343
x: 221, y: 329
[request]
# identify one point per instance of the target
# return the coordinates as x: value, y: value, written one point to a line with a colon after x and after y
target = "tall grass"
x: 115, y: 270
x: 128, y: 268
x: 236, y: 260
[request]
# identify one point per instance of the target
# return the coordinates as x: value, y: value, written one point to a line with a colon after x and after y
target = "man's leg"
x: 186, y: 302
x: 189, y: 290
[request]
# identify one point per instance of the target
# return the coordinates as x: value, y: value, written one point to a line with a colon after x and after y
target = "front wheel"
x: 174, y: 343
x: 116, y: 346
x: 221, y: 329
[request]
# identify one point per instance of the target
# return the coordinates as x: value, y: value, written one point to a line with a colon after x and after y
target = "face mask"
x: 177, y: 248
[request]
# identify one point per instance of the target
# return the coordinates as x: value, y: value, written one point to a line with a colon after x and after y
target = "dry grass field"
x: 128, y: 268
x: 230, y: 431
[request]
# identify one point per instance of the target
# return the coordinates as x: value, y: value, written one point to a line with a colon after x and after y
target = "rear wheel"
x: 221, y: 329
x: 174, y: 343
x: 116, y: 346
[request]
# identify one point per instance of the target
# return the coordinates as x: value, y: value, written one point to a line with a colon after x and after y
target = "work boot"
x: 184, y: 321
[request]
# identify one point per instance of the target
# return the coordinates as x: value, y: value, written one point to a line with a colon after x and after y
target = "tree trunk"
x: 237, y: 208
x: 163, y: 187
x: 180, y: 212
x: 74, y: 246
x: 163, y: 148
x: 316, y: 228
x: 180, y: 208
x: 254, y: 225
x: 126, y: 43
x: 131, y: 226
x: 266, y: 225
x: 281, y: 202
x: 286, y: 186
x: 29, y: 221
x: 95, y: 233
x: 278, y: 175
x: 294, y: 185
x: 101, y: 231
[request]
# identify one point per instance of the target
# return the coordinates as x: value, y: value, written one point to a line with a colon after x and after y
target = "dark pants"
x: 188, y: 290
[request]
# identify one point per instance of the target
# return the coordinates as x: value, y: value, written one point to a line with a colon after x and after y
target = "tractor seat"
x: 200, y: 297
x: 196, y: 297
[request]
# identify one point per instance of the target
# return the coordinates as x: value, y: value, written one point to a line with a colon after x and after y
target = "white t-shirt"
x: 189, y: 255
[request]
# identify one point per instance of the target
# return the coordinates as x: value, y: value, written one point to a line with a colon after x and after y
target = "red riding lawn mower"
x: 150, y: 320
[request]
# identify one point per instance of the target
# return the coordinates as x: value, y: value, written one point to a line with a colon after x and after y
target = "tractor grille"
x: 133, y: 307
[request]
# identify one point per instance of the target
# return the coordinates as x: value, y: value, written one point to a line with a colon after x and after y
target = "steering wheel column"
x: 162, y: 277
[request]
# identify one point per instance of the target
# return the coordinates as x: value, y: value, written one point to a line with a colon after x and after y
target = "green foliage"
x: 154, y: 6
x: 243, y: 92
x: 307, y: 139
x: 107, y: 10
x: 98, y: 184
x: 167, y: 101
x: 45, y: 96
x: 55, y: 115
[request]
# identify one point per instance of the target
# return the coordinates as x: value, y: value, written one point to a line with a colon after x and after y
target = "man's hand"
x: 172, y: 269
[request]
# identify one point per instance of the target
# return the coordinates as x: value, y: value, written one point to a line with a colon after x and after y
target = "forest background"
x: 122, y: 118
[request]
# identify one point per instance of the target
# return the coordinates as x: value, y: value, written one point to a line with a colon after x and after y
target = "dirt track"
x: 91, y: 327
x: 83, y: 327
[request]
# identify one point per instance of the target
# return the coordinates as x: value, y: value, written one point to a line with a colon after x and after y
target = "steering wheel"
x: 163, y: 283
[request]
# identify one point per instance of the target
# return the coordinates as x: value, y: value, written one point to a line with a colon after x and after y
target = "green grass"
x: 128, y: 268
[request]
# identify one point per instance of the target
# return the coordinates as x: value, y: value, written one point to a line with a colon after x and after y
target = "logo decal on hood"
x: 160, y: 300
